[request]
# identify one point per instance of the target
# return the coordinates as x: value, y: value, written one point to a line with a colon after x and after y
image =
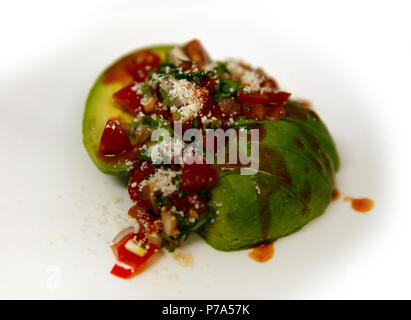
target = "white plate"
x: 58, y: 213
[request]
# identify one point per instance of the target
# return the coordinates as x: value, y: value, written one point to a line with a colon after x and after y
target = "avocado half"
x: 294, y: 185
x: 100, y: 107
x: 296, y: 178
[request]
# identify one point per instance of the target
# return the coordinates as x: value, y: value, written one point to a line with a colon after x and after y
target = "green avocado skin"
x: 297, y: 165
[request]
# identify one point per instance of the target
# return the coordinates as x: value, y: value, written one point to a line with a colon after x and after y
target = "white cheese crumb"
x: 137, y: 87
x: 186, y: 96
x: 163, y: 181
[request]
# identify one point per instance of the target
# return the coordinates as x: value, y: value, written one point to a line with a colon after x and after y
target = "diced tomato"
x: 129, y: 99
x: 255, y: 111
x: 147, y: 221
x: 253, y: 97
x: 197, y: 176
x: 196, y: 52
x: 114, y: 139
x: 136, y: 66
x: 129, y: 258
x: 269, y: 83
x: 138, y: 175
x: 209, y: 83
x: 275, y: 112
x: 278, y: 97
x: 227, y: 108
x: 189, y: 201
x: 142, y: 64
x: 266, y: 97
x: 159, y: 109
x: 121, y: 272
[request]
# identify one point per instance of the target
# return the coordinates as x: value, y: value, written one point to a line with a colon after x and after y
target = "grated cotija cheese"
x: 163, y: 181
x: 186, y: 96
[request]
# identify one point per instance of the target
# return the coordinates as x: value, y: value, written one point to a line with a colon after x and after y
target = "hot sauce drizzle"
x: 335, y: 195
x: 361, y: 204
x: 262, y: 253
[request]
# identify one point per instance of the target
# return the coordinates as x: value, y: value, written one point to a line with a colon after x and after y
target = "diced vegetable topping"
x: 171, y: 201
x: 114, y: 139
x: 133, y: 252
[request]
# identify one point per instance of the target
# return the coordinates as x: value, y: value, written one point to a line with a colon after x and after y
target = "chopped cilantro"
x: 186, y: 228
x: 167, y: 100
x: 195, y: 123
x: 222, y: 68
x: 227, y: 89
x: 149, y: 121
x: 143, y: 154
x: 146, y: 91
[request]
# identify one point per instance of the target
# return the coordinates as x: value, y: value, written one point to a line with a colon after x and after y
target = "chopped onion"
x: 169, y: 223
x: 125, y: 232
x: 155, y: 238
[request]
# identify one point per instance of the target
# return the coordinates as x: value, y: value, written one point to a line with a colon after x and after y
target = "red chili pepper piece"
x: 121, y: 272
x: 129, y: 258
x: 114, y: 139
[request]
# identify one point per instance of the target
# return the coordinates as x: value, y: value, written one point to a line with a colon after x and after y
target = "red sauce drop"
x: 262, y: 253
x: 335, y: 195
x: 361, y: 205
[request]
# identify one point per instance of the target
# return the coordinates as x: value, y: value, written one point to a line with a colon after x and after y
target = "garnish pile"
x: 171, y: 201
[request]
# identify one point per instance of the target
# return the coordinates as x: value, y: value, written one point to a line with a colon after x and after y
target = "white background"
x: 350, y: 58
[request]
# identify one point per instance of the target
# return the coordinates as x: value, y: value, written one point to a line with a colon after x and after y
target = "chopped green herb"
x: 149, y: 121
x: 227, y: 89
x: 146, y: 91
x: 167, y: 100
x: 143, y: 154
x: 195, y: 123
x: 186, y: 228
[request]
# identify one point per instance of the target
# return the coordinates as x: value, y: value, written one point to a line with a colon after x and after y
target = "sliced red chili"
x: 121, y: 272
x: 114, y: 139
x: 129, y: 258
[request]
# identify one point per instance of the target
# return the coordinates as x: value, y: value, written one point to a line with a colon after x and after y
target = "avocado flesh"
x: 100, y: 107
x: 298, y: 160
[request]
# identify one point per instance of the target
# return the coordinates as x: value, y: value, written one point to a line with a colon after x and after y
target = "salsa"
x: 199, y: 93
